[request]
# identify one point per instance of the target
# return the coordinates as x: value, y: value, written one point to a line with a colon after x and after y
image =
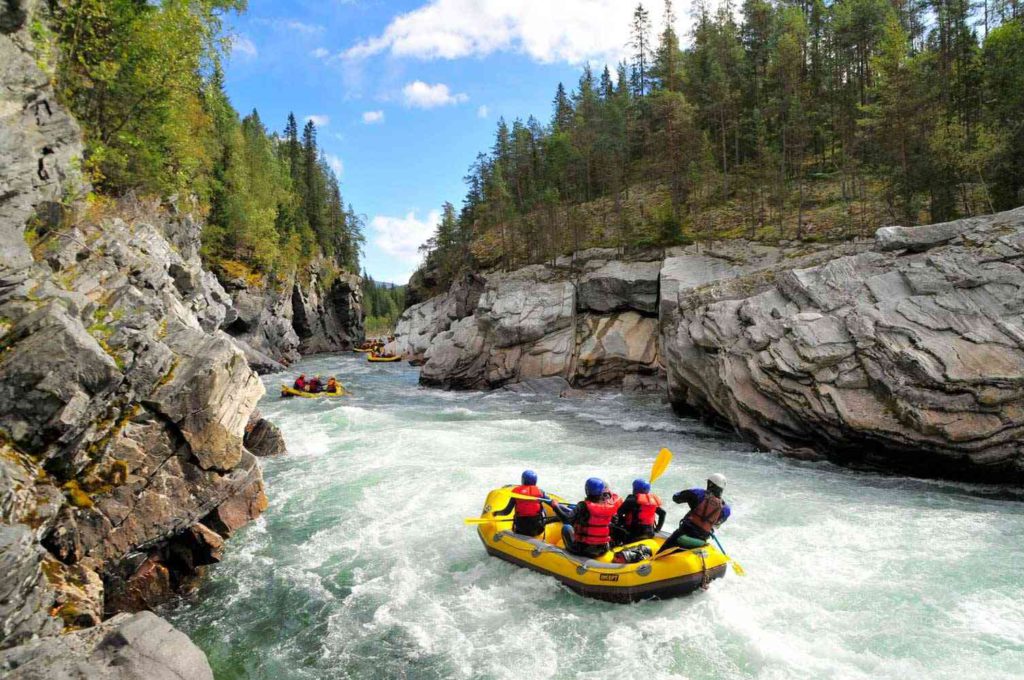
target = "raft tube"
x: 379, y: 359
x: 675, y: 574
x: 289, y: 391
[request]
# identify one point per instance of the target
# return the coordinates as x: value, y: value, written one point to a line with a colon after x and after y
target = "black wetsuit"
x: 579, y: 515
x: 625, y: 530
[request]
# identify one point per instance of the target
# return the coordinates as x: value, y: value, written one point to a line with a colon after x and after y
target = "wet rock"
x: 546, y: 387
x: 263, y: 438
x: 238, y: 510
x: 138, y: 646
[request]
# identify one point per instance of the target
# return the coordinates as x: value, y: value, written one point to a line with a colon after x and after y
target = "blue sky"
x: 406, y: 93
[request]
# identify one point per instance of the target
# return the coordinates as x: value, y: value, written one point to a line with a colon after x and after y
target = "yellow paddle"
x: 740, y: 571
x: 660, y: 464
x: 484, y: 520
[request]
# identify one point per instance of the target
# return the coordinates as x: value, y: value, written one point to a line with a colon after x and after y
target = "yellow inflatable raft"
x: 289, y: 391
x: 380, y: 359
x: 673, y: 575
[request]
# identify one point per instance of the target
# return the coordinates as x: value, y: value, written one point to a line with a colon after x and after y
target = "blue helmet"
x: 529, y: 477
x: 594, y: 486
x: 641, y: 486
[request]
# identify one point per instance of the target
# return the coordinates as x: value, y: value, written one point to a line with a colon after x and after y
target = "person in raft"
x: 300, y: 383
x: 587, y: 529
x: 332, y: 384
x: 529, y: 517
x: 640, y: 516
x: 707, y: 512
x: 315, y: 385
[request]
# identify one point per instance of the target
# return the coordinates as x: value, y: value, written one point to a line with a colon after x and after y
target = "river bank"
x: 905, y: 352
x: 850, y: 574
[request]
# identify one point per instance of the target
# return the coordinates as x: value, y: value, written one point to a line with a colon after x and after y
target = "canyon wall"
x: 904, y: 353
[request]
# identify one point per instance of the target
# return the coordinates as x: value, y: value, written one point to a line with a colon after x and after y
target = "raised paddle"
x: 660, y: 464
x: 735, y: 565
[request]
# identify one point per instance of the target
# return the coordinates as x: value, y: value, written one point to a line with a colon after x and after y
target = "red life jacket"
x: 528, y: 508
x: 707, y: 513
x: 300, y: 384
x: 647, y: 510
x: 597, y: 530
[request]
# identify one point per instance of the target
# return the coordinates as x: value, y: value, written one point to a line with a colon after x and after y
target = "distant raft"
x: 670, y: 576
x: 289, y: 391
x: 380, y: 359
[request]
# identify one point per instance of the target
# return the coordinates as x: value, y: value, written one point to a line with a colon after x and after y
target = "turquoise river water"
x: 363, y: 568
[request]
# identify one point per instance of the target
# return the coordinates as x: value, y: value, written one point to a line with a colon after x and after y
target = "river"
x: 363, y: 568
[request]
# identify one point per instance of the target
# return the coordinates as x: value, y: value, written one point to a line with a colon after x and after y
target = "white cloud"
x: 371, y: 117
x: 319, y: 119
x: 291, y: 25
x: 483, y: 112
x: 420, y: 95
x: 401, y: 237
x: 320, y: 53
x: 243, y: 48
x: 336, y: 165
x: 572, y: 31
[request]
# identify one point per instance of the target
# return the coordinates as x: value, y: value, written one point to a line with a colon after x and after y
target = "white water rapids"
x: 363, y: 568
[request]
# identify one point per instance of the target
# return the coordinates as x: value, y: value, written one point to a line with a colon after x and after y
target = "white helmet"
x: 718, y: 479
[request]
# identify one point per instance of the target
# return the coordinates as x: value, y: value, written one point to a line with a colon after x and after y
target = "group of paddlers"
x: 602, y: 520
x: 316, y: 384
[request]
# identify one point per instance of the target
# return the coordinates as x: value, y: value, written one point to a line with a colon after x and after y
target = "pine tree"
x: 641, y: 44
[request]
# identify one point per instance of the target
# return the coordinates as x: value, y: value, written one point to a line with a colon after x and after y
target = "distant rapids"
x: 363, y: 568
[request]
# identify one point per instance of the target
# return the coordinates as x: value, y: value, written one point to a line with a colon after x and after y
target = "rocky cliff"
x: 127, y: 413
x: 311, y: 312
x: 908, y: 356
x: 589, y: 320
x: 905, y: 353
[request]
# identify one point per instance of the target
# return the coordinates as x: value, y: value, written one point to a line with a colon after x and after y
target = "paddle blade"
x: 738, y: 569
x: 484, y: 520
x: 660, y: 464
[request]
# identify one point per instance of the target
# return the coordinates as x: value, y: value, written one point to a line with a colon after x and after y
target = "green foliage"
x: 813, y: 120
x: 382, y: 305
x: 144, y: 79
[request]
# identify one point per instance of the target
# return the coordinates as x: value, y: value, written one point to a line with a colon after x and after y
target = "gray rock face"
x: 138, y: 646
x: 328, y: 319
x: 123, y: 408
x: 619, y: 286
x: 422, y: 322
x: 526, y: 326
x: 910, y: 361
x: 38, y: 139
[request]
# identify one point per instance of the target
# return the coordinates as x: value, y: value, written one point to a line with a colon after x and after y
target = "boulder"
x: 138, y: 646
x: 209, y: 397
x: 263, y: 438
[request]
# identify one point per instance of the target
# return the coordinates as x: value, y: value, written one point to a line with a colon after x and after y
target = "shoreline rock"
x: 904, y: 354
